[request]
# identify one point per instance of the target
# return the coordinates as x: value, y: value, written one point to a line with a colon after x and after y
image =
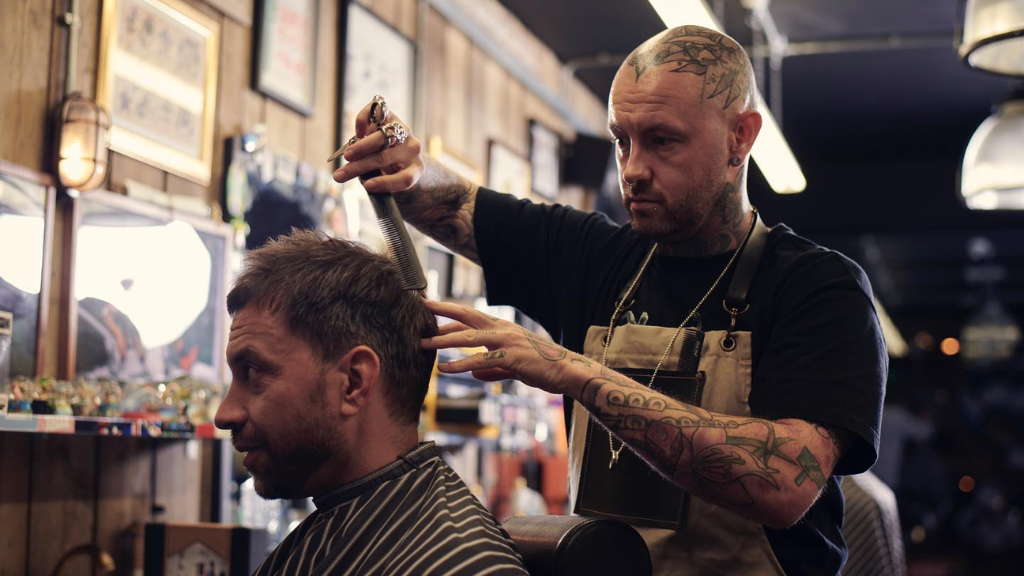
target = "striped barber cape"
x: 414, y: 516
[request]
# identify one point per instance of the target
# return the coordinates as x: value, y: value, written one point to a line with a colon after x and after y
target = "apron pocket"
x: 633, y: 491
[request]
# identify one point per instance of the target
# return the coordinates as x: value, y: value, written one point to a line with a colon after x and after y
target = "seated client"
x: 328, y: 378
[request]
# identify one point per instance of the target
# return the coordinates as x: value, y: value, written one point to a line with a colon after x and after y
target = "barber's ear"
x: 745, y: 128
x: 359, y: 375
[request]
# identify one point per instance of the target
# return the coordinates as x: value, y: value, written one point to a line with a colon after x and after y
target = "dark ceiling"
x: 878, y: 110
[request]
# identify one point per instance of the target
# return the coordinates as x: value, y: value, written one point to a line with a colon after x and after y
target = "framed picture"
x: 27, y: 208
x: 284, y: 67
x: 378, y: 60
x: 545, y: 159
x: 240, y: 10
x: 453, y: 162
x: 158, y: 78
x: 507, y: 171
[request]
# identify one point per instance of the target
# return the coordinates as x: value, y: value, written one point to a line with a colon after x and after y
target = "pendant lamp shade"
x: 993, y: 36
x: 993, y: 172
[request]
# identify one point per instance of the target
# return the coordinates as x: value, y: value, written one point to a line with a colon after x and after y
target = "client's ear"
x: 359, y: 375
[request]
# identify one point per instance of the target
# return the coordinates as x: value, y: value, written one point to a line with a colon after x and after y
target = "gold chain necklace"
x: 619, y: 307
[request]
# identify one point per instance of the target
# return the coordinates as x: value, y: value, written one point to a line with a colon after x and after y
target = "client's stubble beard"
x: 293, y: 464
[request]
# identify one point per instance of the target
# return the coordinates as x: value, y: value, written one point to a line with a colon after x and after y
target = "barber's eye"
x: 661, y: 141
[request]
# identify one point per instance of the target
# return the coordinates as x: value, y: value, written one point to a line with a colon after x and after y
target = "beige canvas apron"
x: 685, y: 535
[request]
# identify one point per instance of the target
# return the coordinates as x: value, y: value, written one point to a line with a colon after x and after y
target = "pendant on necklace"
x: 613, y: 461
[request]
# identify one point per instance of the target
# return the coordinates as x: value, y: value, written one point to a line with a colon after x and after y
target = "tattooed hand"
x: 513, y: 351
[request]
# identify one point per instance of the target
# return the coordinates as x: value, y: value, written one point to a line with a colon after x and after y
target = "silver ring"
x: 378, y: 110
x: 394, y: 134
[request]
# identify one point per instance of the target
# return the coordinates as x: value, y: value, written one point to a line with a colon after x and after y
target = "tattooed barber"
x: 720, y: 375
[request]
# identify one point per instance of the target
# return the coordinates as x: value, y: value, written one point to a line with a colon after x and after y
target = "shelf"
x: 135, y: 427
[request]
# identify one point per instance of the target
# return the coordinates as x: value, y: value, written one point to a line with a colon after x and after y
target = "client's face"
x: 277, y: 407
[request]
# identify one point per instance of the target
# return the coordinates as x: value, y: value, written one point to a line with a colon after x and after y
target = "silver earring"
x: 735, y: 161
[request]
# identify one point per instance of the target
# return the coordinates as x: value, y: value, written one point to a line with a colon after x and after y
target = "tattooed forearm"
x: 750, y: 465
x: 441, y: 206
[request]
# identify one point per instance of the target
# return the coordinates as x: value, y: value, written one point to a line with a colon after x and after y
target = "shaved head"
x: 722, y: 66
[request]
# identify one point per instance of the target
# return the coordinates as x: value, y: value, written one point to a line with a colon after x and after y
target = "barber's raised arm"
x: 435, y: 200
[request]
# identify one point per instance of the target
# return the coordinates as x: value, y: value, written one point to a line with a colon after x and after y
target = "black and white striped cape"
x: 414, y: 516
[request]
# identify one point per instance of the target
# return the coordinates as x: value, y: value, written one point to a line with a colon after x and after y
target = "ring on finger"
x: 378, y: 110
x: 394, y: 134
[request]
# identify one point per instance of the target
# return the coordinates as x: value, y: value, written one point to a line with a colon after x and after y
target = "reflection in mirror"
x: 22, y: 232
x: 150, y: 293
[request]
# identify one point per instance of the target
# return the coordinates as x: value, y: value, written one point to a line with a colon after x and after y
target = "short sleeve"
x: 825, y: 359
x: 536, y: 256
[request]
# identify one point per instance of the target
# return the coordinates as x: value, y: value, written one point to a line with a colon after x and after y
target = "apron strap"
x: 736, y: 297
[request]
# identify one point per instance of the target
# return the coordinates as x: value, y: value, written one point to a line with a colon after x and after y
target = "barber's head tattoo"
x: 703, y: 52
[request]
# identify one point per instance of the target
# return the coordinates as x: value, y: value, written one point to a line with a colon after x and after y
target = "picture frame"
x: 170, y: 44
x: 284, y: 63
x: 239, y: 10
x: 545, y: 160
x: 507, y: 171
x: 379, y: 60
x: 27, y: 218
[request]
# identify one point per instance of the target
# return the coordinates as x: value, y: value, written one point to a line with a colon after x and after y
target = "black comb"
x: 396, y: 237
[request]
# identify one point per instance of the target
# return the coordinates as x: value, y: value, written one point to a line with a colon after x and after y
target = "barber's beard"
x: 675, y: 220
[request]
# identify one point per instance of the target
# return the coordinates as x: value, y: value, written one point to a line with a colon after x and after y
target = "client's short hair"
x: 337, y: 295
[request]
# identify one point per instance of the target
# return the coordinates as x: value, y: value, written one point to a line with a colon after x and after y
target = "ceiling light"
x: 993, y: 172
x: 772, y: 153
x: 993, y: 37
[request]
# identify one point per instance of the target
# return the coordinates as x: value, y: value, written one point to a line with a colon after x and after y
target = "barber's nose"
x: 231, y: 414
x: 634, y: 167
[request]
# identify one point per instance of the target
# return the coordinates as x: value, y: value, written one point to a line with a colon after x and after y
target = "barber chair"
x: 578, y: 546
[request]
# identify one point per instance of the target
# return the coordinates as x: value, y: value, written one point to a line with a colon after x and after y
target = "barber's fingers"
x: 397, y: 182
x: 389, y: 160
x: 363, y: 124
x: 487, y: 363
x: 465, y: 314
x: 372, y: 140
x: 465, y: 339
x: 452, y: 327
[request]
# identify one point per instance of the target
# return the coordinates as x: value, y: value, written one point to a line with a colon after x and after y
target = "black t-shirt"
x: 818, y: 352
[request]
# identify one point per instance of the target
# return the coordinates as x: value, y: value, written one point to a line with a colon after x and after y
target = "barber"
x: 719, y: 376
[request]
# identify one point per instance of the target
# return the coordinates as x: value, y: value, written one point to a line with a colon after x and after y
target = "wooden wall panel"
x: 284, y: 128
x: 179, y: 186
x: 477, y: 119
x: 321, y: 129
x: 406, y: 18
x: 123, y: 491
x: 63, y: 486
x: 456, y: 90
x: 178, y: 479
x: 25, y: 28
x: 124, y: 168
x: 14, y: 509
x: 89, y: 47
x: 433, y: 77
x: 516, y: 123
